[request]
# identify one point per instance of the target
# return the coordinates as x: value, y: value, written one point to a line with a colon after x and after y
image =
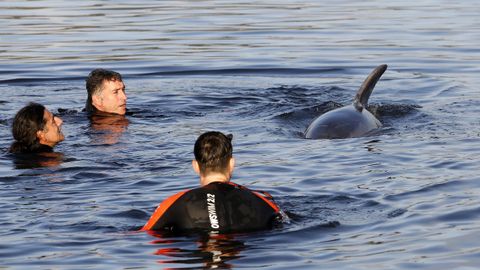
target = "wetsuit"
x: 218, y: 206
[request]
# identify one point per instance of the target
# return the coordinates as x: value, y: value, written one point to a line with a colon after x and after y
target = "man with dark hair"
x: 218, y: 205
x: 35, y: 130
x: 106, y: 92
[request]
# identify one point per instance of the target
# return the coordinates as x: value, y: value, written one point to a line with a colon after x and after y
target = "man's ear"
x: 231, y: 164
x: 196, y: 166
x: 40, y: 136
x: 97, y: 101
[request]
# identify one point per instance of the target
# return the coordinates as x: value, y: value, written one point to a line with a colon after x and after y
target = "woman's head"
x: 34, y: 126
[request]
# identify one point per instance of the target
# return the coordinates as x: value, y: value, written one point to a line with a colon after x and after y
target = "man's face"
x: 52, y: 132
x: 112, y: 99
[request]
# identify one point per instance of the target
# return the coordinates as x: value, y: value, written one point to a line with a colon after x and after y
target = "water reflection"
x: 372, y: 146
x: 108, y: 128
x: 212, y: 250
x: 37, y: 160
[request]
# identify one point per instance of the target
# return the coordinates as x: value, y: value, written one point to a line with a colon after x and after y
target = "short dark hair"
x: 26, y: 123
x: 94, y: 83
x: 213, y: 151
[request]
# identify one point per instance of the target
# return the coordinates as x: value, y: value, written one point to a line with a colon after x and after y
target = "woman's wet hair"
x: 213, y: 151
x: 26, y: 123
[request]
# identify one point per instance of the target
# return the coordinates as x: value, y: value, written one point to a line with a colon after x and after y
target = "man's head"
x: 106, y: 92
x: 213, y: 154
x: 33, y: 126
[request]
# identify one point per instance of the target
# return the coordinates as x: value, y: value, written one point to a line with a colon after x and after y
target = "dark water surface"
x: 406, y: 197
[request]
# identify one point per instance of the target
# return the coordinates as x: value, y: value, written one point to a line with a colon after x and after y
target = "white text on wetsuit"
x: 212, y: 212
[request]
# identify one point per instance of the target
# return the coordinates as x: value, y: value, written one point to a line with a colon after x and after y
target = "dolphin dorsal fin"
x: 363, y: 94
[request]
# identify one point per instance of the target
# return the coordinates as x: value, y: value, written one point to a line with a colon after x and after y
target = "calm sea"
x: 406, y: 197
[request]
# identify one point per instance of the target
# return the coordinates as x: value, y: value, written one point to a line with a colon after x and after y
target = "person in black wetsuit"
x: 218, y: 205
x: 35, y: 130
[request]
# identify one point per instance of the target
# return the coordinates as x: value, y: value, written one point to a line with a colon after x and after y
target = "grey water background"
x: 406, y: 197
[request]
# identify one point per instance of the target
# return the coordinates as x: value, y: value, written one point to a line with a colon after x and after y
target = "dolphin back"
x: 363, y: 94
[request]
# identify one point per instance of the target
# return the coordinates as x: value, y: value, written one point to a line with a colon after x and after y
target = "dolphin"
x: 350, y: 121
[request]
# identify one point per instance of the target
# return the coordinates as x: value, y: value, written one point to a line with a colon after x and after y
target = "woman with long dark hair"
x: 35, y: 130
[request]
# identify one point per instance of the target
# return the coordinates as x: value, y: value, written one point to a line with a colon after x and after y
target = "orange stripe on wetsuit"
x: 267, y: 200
x: 265, y: 196
x: 161, y: 210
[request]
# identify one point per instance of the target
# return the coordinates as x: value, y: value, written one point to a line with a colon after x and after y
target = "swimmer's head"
x: 106, y: 92
x: 34, y: 126
x: 213, y: 153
